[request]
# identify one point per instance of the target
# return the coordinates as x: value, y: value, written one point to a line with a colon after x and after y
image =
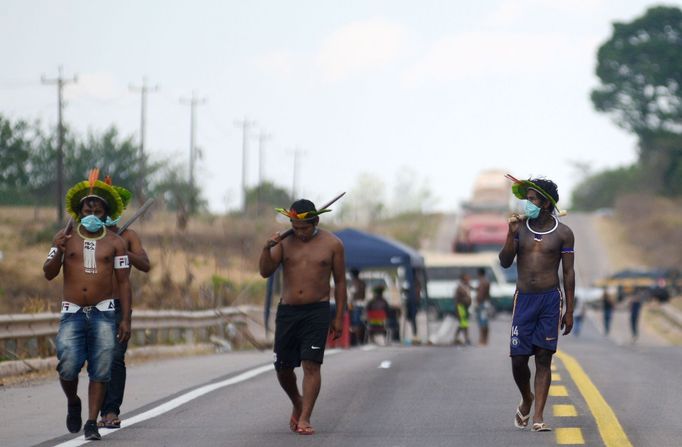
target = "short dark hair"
x: 550, y: 188
x: 354, y: 271
x: 481, y: 271
x: 305, y: 205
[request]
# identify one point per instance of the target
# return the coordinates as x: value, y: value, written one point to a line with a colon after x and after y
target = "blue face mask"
x: 111, y: 223
x: 532, y: 210
x: 92, y: 223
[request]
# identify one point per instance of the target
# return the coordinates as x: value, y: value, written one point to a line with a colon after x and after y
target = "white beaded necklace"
x: 537, y: 235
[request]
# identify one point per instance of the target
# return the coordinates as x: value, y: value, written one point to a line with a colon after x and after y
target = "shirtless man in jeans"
x: 308, y: 258
x: 91, y: 256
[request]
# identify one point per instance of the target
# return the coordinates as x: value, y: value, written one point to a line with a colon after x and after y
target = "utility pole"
x: 245, y: 125
x: 262, y: 138
x: 60, y: 82
x: 144, y: 89
x: 295, y: 187
x: 193, y: 103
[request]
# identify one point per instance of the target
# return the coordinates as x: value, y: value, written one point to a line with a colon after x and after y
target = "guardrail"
x: 32, y: 335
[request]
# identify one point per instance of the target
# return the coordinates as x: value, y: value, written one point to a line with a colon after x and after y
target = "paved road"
x: 393, y: 396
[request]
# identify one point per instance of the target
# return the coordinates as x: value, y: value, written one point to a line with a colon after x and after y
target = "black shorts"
x: 301, y: 333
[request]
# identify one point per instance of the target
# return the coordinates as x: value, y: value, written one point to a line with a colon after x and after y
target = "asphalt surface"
x: 379, y: 396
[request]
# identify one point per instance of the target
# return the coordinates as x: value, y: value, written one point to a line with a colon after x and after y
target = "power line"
x: 144, y: 89
x: 60, y: 81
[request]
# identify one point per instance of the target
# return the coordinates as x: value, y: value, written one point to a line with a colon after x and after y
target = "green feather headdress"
x: 306, y: 215
x: 93, y: 188
x: 520, y: 189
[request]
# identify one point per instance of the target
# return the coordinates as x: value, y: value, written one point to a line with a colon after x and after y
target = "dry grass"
x: 212, y: 262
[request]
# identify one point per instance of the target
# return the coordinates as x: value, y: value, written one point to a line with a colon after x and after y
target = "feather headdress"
x: 92, y: 187
x: 306, y: 215
x: 520, y: 189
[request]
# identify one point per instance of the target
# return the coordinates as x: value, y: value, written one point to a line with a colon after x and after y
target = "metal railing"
x: 32, y: 335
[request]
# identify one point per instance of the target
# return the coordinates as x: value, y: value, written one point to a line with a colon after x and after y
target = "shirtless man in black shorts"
x: 308, y: 259
x: 540, y: 243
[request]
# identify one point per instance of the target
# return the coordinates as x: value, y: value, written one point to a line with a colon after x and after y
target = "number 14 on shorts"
x: 514, y: 331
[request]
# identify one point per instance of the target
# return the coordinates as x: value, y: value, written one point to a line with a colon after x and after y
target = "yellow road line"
x: 564, y: 410
x: 569, y: 436
x: 611, y: 431
x: 556, y: 377
x: 558, y: 390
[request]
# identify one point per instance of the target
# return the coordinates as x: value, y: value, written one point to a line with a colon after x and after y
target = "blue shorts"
x: 89, y: 334
x: 535, y: 322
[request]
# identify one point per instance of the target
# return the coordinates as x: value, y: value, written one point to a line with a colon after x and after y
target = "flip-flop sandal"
x: 540, y: 426
x: 109, y: 423
x: 521, y: 417
x: 74, y: 422
x: 305, y: 430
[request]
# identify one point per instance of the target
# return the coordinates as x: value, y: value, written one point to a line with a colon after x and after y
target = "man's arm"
x: 511, y: 244
x: 270, y: 256
x: 125, y: 295
x: 340, y: 294
x: 136, y: 253
x: 567, y: 263
x: 53, y: 263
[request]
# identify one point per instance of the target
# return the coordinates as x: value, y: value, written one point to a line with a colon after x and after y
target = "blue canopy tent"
x: 368, y: 251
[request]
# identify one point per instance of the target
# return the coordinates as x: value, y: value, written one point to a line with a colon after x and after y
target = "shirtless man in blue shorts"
x: 308, y: 259
x: 540, y: 243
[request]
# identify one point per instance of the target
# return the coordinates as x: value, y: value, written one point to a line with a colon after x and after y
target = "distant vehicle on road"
x: 483, y: 223
x: 661, y: 282
x: 443, y: 271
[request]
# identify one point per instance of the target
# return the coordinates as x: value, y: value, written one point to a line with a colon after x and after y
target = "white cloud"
x: 493, y: 54
x: 360, y: 47
x: 278, y: 62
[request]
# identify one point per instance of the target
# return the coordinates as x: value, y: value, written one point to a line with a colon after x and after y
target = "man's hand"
x: 123, y: 330
x: 336, y: 328
x: 274, y: 240
x: 60, y: 240
x: 515, y: 223
x: 567, y: 323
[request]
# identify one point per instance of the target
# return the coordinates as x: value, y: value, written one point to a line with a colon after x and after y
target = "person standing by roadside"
x: 462, y: 303
x: 308, y: 259
x: 637, y: 299
x: 90, y: 257
x: 483, y: 307
x: 111, y: 407
x: 607, y: 309
x: 541, y: 244
x: 357, y: 307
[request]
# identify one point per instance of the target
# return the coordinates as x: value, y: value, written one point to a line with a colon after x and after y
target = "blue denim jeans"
x: 88, y: 334
x: 116, y: 386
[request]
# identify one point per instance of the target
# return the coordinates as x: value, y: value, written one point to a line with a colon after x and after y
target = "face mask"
x: 112, y: 223
x: 92, y: 223
x: 532, y: 210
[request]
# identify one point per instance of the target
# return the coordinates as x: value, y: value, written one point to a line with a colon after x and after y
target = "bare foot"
x: 295, y: 414
x: 304, y: 428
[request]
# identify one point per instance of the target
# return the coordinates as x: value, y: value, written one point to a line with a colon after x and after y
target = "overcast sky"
x: 441, y: 89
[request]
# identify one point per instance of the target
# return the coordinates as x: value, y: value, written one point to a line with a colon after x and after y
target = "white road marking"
x: 369, y: 348
x: 385, y: 364
x: 180, y: 400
